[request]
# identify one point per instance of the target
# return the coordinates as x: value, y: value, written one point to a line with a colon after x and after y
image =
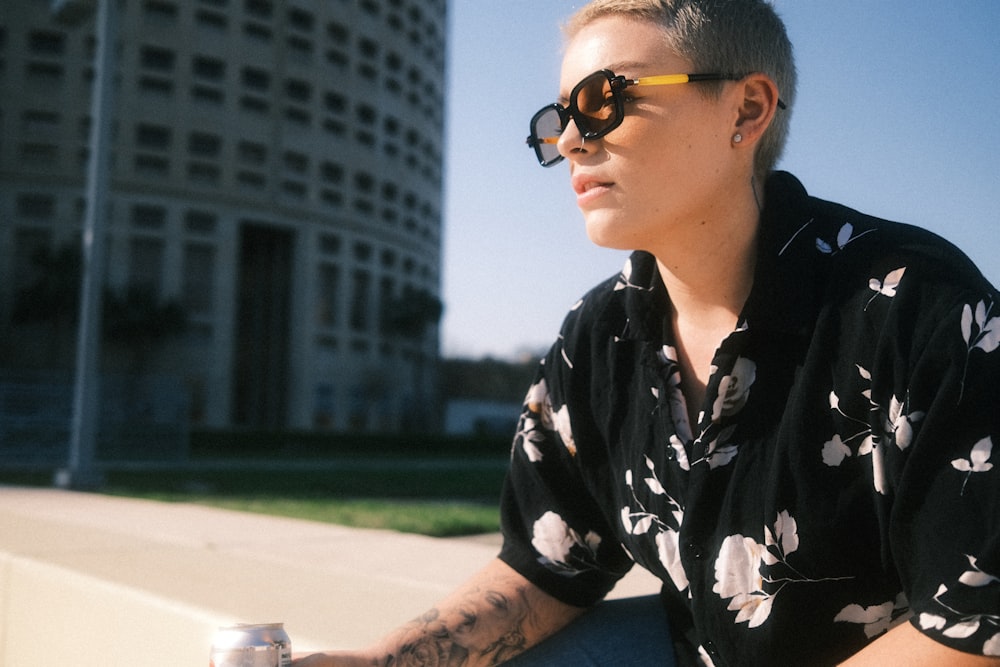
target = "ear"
x: 757, y: 107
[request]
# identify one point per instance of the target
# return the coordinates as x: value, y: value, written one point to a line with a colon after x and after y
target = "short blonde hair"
x: 730, y: 36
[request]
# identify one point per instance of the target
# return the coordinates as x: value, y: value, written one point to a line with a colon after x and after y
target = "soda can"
x: 251, y: 645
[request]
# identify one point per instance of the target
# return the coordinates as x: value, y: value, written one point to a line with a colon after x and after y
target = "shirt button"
x: 710, y: 649
x: 694, y: 550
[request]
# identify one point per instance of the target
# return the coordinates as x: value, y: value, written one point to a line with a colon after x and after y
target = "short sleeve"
x: 940, y: 432
x: 556, y: 532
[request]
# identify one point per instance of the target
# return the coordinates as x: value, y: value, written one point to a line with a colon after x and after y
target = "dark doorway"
x: 260, y: 374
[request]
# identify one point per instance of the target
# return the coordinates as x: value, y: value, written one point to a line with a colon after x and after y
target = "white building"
x: 276, y: 168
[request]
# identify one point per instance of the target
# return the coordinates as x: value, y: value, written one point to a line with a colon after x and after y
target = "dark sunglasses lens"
x: 596, y: 101
x: 546, y: 127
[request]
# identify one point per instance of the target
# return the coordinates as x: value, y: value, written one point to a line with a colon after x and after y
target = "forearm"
x: 494, y: 616
x: 905, y: 645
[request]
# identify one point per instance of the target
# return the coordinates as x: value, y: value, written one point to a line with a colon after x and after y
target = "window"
x: 364, y: 182
x: 39, y: 122
x: 211, y: 20
x: 145, y: 266
x: 157, y: 12
x: 297, y: 90
x: 332, y: 173
x: 361, y: 286
x: 366, y: 114
x: 48, y: 43
x: 329, y: 244
x: 204, y: 173
x: 43, y: 73
x: 38, y: 154
x: 145, y: 216
x: 198, y: 278
x: 157, y: 59
x: 256, y: 79
x: 296, y: 162
x: 36, y: 206
x: 386, y: 289
x: 156, y: 85
x: 335, y: 102
x: 251, y: 152
x: 338, y: 33
x: 300, y: 19
x: 200, y: 222
x: 210, y: 69
x: 328, y: 295
x: 155, y: 137
x: 259, y: 8
x: 202, y: 143
x: 28, y: 243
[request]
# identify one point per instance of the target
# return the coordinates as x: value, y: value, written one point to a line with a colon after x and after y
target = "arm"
x: 494, y: 616
x: 905, y: 645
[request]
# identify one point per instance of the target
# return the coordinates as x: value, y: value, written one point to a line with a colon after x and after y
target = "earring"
x: 737, y: 138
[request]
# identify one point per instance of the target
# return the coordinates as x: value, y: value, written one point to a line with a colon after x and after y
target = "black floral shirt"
x: 841, y: 477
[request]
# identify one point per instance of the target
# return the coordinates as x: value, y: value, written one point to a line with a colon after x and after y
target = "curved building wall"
x: 276, y: 168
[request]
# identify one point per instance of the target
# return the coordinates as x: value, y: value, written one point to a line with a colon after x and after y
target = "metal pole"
x: 81, y: 470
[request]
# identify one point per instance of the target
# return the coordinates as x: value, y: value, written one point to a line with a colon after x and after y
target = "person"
x: 783, y: 408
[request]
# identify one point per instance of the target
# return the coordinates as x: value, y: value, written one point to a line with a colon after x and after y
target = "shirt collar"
x: 782, y: 298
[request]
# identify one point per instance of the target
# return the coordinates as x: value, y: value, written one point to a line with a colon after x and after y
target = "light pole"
x: 81, y: 470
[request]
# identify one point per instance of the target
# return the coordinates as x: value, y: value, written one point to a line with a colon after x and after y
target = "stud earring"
x: 737, y: 138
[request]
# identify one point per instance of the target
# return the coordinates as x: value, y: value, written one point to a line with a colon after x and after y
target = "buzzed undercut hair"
x: 730, y: 36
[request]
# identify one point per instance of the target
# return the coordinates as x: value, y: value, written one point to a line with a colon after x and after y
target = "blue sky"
x: 898, y: 115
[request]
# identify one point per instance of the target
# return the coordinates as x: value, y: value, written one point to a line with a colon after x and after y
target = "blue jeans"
x: 631, y: 632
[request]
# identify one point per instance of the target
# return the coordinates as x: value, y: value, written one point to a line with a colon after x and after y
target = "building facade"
x: 276, y: 170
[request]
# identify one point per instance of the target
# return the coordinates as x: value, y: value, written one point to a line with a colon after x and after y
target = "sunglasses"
x: 597, y: 106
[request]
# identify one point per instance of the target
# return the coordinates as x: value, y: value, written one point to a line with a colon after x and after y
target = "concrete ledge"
x: 52, y: 615
x: 94, y: 580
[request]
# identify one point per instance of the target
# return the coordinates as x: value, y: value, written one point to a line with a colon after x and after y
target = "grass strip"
x: 435, y: 518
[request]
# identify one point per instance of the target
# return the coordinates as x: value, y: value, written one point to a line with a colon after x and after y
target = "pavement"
x: 87, y: 579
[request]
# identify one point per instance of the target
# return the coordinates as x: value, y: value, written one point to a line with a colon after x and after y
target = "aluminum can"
x: 251, y: 645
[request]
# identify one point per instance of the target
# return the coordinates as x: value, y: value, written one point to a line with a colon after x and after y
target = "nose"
x: 571, y: 141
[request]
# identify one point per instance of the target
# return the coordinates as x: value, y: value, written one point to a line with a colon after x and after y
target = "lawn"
x: 440, y: 500
x: 437, y: 518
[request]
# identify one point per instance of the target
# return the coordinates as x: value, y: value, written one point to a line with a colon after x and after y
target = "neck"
x: 708, y: 266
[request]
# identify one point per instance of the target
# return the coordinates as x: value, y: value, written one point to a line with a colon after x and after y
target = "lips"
x: 583, y: 185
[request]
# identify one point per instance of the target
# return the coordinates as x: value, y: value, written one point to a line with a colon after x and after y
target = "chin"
x: 607, y: 235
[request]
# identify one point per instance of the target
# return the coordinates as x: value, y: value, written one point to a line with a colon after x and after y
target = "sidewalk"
x: 89, y: 580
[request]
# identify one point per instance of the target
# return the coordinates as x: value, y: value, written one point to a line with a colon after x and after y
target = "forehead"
x: 624, y: 45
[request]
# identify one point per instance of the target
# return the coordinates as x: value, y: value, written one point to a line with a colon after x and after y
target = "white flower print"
x: 640, y: 521
x: 958, y: 624
x: 844, y: 237
x: 738, y: 576
x: 752, y: 575
x: 887, y: 286
x: 625, y: 278
x: 734, y: 389
x: 717, y: 455
x: 876, y: 618
x: 986, y: 334
x: 901, y: 424
x: 978, y: 461
x: 540, y: 417
x: 559, y: 545
x: 980, y: 331
x: 835, y: 451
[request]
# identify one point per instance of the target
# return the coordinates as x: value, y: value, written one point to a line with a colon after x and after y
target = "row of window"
x: 328, y: 189
x: 422, y: 32
x: 364, y: 296
x: 42, y: 207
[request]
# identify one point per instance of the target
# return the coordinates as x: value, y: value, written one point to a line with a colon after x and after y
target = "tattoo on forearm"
x: 487, y: 626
